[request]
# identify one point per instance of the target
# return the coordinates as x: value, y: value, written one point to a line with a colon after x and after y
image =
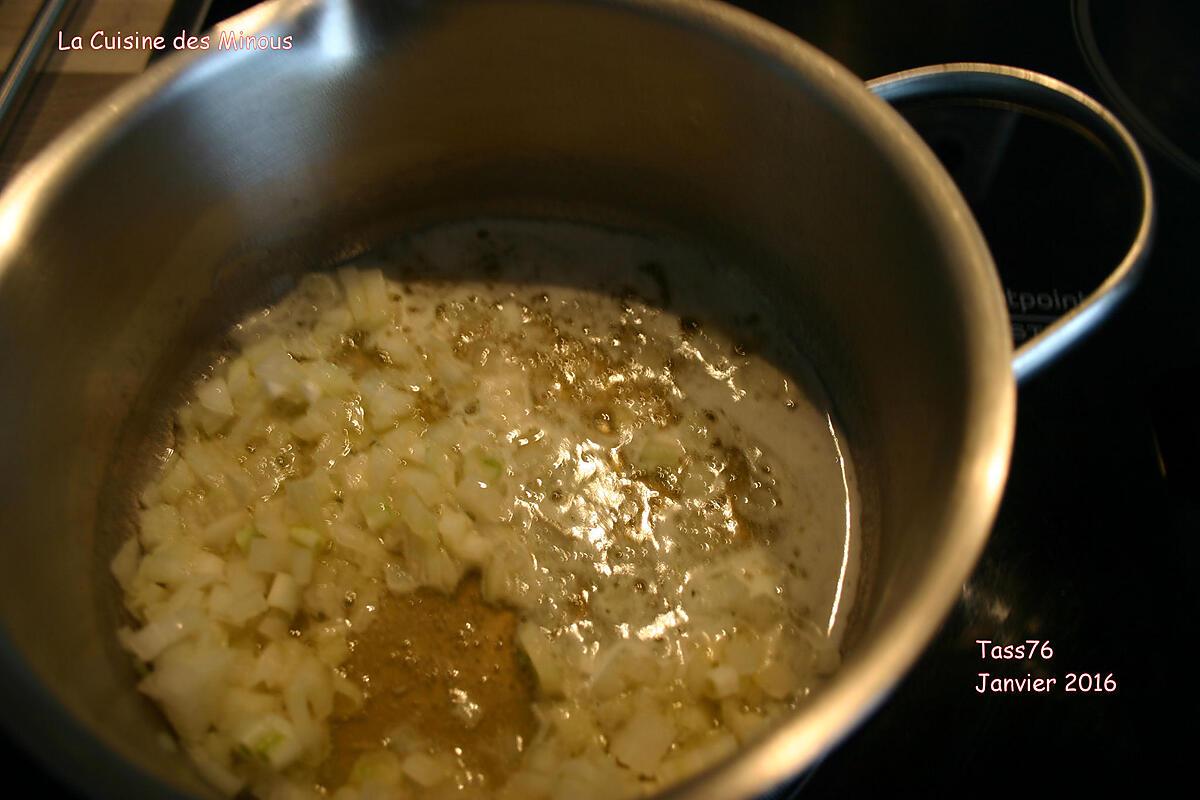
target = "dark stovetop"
x: 1095, y: 541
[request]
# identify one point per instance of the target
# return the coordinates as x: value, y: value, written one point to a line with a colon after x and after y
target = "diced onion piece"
x: 454, y: 523
x: 546, y: 664
x: 424, y: 484
x: 573, y: 725
x: 268, y: 555
x: 279, y: 374
x: 377, y: 768
x: 220, y: 533
x: 760, y: 577
x: 124, y: 565
x: 483, y: 466
x: 273, y: 626
x: 240, y: 381
x: 398, y: 580
x: 376, y: 510
x: 243, y: 537
x: 721, y: 682
x: 744, y: 653
x: 462, y: 540
x: 159, y: 524
x: 348, y: 689
x: 306, y: 537
x: 305, y: 498
x: 368, y: 548
x: 714, y: 747
x: 588, y: 779
x: 375, y: 292
x: 213, y: 394
x: 331, y: 379
x: 621, y: 664
x: 393, y: 343
x: 160, y: 634
x: 312, y: 426
x: 425, y: 770
x: 661, y: 450
x: 284, y: 594
x: 385, y: 404
x: 271, y: 739
x: 449, y: 370
x: 269, y: 519
x: 643, y: 741
x: 381, y: 468
x: 432, y: 566
x: 777, y: 679
x: 355, y: 296
x: 510, y: 578
x: 224, y: 779
x: 419, y: 519
x: 236, y: 606
x: 742, y: 721
x: 184, y: 679
x: 177, y: 479
x: 482, y: 499
x: 181, y: 561
x: 366, y: 295
x: 332, y: 648
x: 303, y: 563
x: 306, y: 701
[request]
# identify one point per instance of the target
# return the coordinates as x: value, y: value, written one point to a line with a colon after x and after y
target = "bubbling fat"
x: 507, y: 535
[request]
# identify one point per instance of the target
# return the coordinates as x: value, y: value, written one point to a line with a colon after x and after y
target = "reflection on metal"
x: 27, y: 59
x: 1039, y: 93
x: 336, y: 33
x: 841, y: 583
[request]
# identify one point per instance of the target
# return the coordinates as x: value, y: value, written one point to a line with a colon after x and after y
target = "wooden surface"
x: 71, y: 82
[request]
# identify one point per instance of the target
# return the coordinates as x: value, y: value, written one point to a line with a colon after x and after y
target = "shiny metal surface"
x: 194, y: 193
x: 1041, y: 93
x: 17, y: 75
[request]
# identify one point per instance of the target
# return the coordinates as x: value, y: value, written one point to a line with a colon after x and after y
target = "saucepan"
x: 176, y: 201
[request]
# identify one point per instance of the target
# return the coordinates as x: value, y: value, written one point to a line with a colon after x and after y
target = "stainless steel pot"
x: 176, y: 204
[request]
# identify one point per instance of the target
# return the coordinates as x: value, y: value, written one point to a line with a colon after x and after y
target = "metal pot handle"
x: 1042, y: 93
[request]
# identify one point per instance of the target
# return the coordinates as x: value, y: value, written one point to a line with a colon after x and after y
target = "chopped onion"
x: 160, y: 634
x: 643, y: 741
x: 425, y: 770
x: 284, y: 594
x: 378, y: 768
x: 219, y: 534
x: 546, y: 665
x: 268, y: 555
x: 721, y: 682
x: 124, y: 565
x: 226, y: 780
x: 213, y: 394
x: 271, y: 739
x: 160, y: 524
x: 347, y: 451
